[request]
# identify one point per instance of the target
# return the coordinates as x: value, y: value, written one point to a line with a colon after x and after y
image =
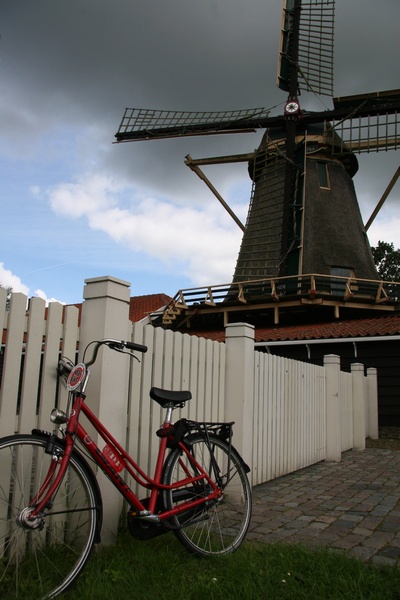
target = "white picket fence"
x: 173, y: 361
x: 290, y: 417
x: 287, y: 414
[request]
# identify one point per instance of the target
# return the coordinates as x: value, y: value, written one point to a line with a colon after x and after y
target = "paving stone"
x: 390, y: 552
x: 348, y: 541
x: 345, y: 523
x: 326, y: 519
x: 362, y: 531
x: 318, y: 525
x: 363, y: 553
x: 383, y: 561
x: 352, y: 506
x: 389, y: 525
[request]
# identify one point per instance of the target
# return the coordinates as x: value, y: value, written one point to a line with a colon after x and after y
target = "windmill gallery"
x: 305, y: 275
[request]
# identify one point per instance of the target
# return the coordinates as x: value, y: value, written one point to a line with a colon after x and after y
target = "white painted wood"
x: 69, y: 347
x: 372, y: 376
x: 289, y: 413
x: 31, y: 371
x: 12, y: 364
x: 333, y: 408
x: 48, y: 388
x: 357, y: 372
x: 3, y: 314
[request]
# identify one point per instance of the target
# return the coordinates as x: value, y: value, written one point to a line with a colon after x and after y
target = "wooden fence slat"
x: 12, y: 364
x: 146, y: 433
x: 193, y: 377
x: 30, y: 380
x: 289, y: 413
x: 50, y: 362
x: 3, y: 314
x: 70, y: 338
x: 200, y: 416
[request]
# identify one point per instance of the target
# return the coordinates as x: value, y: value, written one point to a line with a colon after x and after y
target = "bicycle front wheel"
x: 218, y: 526
x: 39, y: 559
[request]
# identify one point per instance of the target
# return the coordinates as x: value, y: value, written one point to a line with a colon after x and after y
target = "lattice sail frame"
x: 365, y: 134
x: 315, y: 46
x: 152, y: 123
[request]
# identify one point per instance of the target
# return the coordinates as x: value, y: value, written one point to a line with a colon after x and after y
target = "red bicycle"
x: 50, y: 501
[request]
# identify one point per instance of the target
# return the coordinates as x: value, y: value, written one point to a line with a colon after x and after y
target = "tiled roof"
x: 371, y: 327
x: 387, y: 325
x: 140, y: 306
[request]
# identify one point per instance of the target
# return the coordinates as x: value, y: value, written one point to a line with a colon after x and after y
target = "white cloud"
x: 204, y: 243
x: 89, y: 196
x: 8, y: 279
x: 43, y: 295
x: 385, y: 229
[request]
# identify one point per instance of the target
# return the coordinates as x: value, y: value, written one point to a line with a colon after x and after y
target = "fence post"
x: 105, y: 314
x: 239, y: 387
x: 359, y: 406
x: 333, y: 417
x: 372, y: 378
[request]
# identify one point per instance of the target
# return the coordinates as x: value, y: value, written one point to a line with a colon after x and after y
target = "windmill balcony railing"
x: 281, y: 290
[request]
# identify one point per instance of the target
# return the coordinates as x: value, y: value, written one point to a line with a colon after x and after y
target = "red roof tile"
x: 387, y: 325
x: 374, y: 326
x: 140, y: 306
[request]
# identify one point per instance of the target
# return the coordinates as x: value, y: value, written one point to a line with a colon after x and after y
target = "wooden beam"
x: 383, y: 198
x: 196, y: 169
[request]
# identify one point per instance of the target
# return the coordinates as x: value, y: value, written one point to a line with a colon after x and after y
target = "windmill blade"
x: 316, y: 39
x: 148, y: 124
x: 372, y: 125
x: 315, y: 45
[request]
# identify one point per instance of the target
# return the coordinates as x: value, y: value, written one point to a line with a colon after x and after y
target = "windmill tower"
x: 303, y: 216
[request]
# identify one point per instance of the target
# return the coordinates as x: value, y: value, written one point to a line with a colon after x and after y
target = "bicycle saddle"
x: 166, y: 398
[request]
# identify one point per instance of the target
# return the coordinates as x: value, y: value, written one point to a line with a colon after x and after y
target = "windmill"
x: 303, y: 216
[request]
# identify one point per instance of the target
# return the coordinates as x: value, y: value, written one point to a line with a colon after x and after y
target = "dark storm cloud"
x: 78, y: 63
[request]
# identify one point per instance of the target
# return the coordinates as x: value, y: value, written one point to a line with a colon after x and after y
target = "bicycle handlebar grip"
x: 134, y: 346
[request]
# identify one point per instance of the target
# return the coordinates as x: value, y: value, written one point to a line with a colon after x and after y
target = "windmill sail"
x: 315, y: 46
x: 147, y: 124
x: 373, y: 121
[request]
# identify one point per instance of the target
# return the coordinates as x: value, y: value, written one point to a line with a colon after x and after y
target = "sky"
x: 75, y: 205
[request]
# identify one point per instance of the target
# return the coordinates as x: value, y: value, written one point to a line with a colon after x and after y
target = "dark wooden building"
x: 374, y: 342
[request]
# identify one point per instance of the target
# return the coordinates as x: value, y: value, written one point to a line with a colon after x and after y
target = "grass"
x: 162, y: 569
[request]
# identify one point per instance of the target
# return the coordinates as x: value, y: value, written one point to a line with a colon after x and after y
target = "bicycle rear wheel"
x: 41, y: 559
x: 220, y: 526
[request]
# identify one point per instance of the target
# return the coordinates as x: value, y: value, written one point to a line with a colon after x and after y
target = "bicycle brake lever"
x: 120, y: 347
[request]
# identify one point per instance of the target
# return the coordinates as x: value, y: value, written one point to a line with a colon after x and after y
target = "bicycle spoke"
x: 40, y: 559
x: 226, y: 519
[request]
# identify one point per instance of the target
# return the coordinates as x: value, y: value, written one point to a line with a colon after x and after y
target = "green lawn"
x: 161, y: 569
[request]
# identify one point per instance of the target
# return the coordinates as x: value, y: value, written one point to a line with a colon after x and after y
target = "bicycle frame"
x: 74, y: 430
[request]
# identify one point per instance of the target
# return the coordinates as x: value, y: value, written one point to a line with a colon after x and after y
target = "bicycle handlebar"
x: 65, y: 365
x: 117, y: 345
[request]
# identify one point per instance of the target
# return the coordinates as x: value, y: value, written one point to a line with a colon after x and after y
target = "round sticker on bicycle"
x: 76, y: 376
